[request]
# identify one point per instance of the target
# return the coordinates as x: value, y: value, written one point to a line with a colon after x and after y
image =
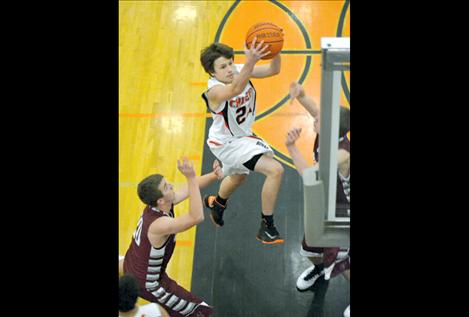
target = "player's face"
x: 167, y: 190
x: 224, y: 69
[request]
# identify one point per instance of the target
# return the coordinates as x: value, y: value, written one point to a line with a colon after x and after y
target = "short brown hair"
x: 148, y: 191
x: 128, y: 292
x: 211, y: 53
x: 344, y: 125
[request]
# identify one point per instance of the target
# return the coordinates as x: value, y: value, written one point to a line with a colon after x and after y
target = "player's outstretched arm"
x: 167, y: 225
x: 298, y: 159
x: 203, y: 181
x: 271, y: 69
x: 298, y: 92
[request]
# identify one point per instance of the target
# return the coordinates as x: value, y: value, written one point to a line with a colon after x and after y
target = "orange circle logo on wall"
x: 304, y: 23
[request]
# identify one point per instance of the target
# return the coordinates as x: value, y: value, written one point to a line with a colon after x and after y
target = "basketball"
x: 270, y: 33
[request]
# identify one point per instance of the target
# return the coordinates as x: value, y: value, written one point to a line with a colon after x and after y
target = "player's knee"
x: 277, y: 170
x: 238, y: 179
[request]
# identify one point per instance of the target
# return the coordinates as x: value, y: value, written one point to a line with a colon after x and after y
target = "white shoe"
x: 328, y: 271
x: 309, y: 277
x: 347, y: 311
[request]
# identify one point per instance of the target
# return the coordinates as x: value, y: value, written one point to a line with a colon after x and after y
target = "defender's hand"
x: 186, y: 167
x: 218, y: 170
x: 296, y: 91
x: 292, y: 136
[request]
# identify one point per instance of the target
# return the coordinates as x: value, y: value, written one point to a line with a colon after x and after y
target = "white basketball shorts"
x: 237, y: 151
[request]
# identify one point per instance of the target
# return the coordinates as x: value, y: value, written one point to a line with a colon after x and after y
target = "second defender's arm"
x: 298, y: 92
x: 298, y: 159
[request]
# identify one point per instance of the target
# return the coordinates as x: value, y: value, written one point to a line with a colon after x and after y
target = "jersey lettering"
x: 262, y: 144
x: 138, y: 231
x: 240, y: 118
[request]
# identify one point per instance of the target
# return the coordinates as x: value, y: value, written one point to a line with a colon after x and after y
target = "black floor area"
x: 239, y: 276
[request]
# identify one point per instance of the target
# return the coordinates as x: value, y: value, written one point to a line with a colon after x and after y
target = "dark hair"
x: 128, y: 293
x: 211, y: 53
x: 148, y: 191
x: 344, y: 125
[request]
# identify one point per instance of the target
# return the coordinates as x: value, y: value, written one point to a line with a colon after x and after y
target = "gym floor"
x: 162, y: 117
x: 242, y: 277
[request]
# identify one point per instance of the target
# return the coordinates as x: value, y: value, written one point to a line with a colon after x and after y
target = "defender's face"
x: 224, y: 69
x: 167, y: 190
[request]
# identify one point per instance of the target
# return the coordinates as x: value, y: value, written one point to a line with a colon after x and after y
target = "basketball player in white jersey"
x: 231, y: 98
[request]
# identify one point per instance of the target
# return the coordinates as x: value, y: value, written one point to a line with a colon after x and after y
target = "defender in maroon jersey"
x: 154, y: 239
x: 327, y: 262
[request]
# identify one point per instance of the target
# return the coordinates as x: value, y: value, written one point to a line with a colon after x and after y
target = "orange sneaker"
x: 268, y: 235
x: 216, y: 210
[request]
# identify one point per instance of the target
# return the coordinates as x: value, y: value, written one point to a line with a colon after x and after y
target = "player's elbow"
x: 198, y: 219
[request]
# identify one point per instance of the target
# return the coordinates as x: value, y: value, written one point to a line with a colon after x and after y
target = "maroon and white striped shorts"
x: 176, y: 300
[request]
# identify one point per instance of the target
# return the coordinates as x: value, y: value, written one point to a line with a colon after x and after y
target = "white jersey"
x: 230, y: 137
x: 234, y: 117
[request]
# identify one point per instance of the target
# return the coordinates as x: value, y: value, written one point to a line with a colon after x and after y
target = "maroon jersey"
x: 330, y: 255
x: 144, y: 261
x: 344, y: 143
x: 148, y: 264
x: 343, y: 185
